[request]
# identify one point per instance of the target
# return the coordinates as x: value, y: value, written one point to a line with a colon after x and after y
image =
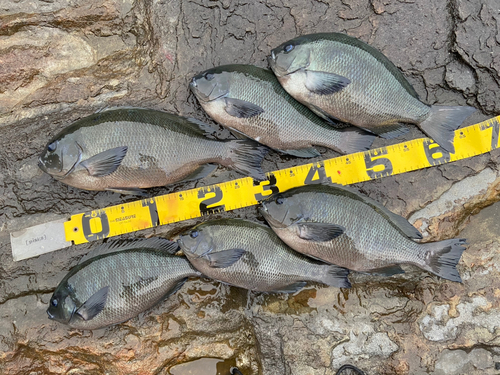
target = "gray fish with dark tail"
x: 338, y: 225
x: 342, y: 78
x: 126, y: 150
x: 251, y: 256
x: 117, y: 281
x: 249, y: 100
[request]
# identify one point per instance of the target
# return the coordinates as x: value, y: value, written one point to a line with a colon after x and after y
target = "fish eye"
x: 288, y: 47
x: 280, y: 200
x: 54, y: 302
x: 194, y: 234
x: 209, y: 76
x: 52, y: 147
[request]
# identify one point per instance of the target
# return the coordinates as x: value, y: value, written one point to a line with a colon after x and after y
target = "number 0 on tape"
x: 348, y: 169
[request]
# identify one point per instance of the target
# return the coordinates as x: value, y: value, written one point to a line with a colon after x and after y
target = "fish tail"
x: 336, y: 276
x: 355, y: 140
x: 442, y: 122
x: 245, y: 156
x: 441, y: 258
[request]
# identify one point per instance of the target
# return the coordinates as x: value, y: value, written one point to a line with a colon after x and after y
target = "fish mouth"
x: 41, y: 165
x: 52, y: 317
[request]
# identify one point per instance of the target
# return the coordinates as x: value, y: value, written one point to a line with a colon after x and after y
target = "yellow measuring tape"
x: 348, y: 169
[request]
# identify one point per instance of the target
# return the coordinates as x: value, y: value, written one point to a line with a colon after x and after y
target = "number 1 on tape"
x: 348, y: 169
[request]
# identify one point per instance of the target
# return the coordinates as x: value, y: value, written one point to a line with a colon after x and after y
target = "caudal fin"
x: 245, y: 156
x: 441, y: 258
x: 336, y: 276
x: 355, y: 140
x: 442, y: 123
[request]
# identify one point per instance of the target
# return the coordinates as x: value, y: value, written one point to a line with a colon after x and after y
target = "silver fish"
x: 342, y: 78
x: 250, y: 101
x: 338, y: 225
x: 117, y: 281
x: 251, y: 256
x: 125, y: 150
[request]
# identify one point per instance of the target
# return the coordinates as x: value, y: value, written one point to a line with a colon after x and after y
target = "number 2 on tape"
x: 204, y: 209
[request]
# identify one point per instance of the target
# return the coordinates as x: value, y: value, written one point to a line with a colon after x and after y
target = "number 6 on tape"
x: 348, y: 169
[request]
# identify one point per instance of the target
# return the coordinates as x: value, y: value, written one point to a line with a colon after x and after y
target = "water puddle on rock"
x: 204, y: 366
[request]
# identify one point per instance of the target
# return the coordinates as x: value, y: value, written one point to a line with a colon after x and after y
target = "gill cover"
x: 290, y: 57
x: 210, y: 85
x: 60, y: 157
x: 196, y: 242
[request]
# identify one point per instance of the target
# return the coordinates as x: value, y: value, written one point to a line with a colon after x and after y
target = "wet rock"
x: 61, y: 61
x: 460, y: 362
x: 460, y: 77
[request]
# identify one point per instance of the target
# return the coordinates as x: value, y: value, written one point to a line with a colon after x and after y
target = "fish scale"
x: 131, y: 148
x: 266, y: 265
x: 282, y: 123
x: 340, y: 226
x: 382, y: 98
x: 340, y: 77
x: 137, y: 278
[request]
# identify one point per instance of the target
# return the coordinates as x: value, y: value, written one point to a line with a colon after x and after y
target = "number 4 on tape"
x: 348, y: 169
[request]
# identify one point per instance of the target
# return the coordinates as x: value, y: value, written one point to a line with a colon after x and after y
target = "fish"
x: 250, y: 256
x: 250, y: 101
x: 338, y: 225
x: 128, y: 149
x: 118, y: 280
x: 341, y: 78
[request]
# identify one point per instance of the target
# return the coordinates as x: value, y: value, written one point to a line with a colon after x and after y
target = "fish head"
x: 211, y: 84
x: 62, y: 306
x: 282, y: 210
x: 290, y: 57
x: 197, y: 242
x: 60, y: 157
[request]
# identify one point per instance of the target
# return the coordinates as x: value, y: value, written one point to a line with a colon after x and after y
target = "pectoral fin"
x: 242, y: 109
x: 225, y: 258
x: 324, y: 83
x: 319, y: 232
x: 105, y: 162
x: 94, y: 305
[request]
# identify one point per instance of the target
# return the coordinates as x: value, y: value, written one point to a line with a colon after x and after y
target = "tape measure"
x: 170, y: 208
x: 348, y: 169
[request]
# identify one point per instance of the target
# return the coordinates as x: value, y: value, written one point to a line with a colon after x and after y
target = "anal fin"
x: 389, y: 131
x: 128, y: 190
x: 199, y: 173
x: 310, y: 152
x: 387, y: 271
x: 292, y: 288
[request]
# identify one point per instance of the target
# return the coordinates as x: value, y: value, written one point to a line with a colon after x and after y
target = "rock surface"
x: 60, y: 61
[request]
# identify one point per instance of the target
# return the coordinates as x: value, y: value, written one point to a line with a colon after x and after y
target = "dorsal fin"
x: 156, y: 243
x: 399, y: 222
